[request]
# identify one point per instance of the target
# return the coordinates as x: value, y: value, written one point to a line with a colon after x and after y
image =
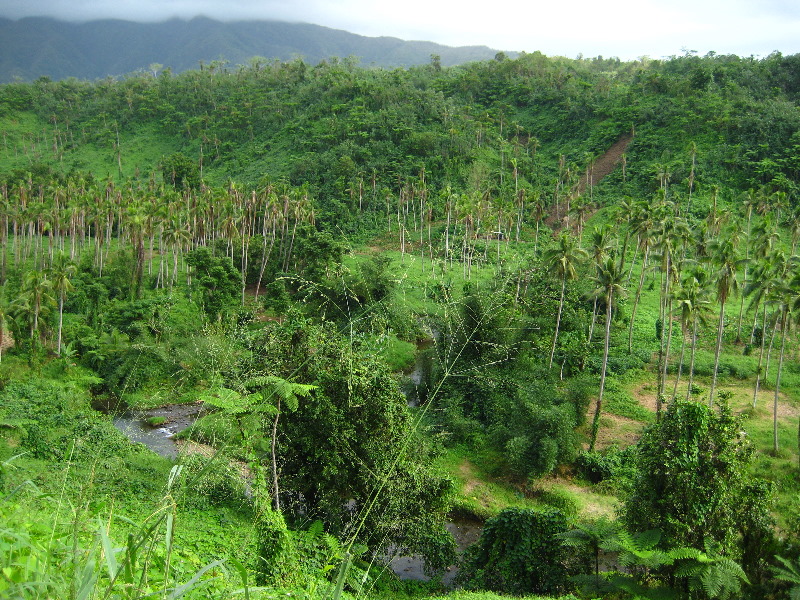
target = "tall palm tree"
x: 766, y: 236
x: 724, y: 255
x: 642, y: 226
x: 691, y: 298
x: 609, y: 282
x: 599, y: 249
x: 35, y: 298
x: 61, y: 272
x: 537, y: 212
x: 668, y: 229
x: 769, y: 272
x: 624, y: 213
x: 748, y: 203
x: 563, y: 260
x: 5, y: 315
x: 787, y: 298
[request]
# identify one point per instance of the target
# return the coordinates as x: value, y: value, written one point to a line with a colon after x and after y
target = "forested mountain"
x: 557, y: 297
x: 42, y: 47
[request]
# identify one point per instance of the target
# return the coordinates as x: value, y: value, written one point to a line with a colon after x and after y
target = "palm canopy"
x: 724, y: 255
x: 563, y: 259
x: 608, y: 281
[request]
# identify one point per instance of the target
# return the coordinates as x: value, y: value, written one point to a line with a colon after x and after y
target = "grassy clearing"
x: 482, y: 493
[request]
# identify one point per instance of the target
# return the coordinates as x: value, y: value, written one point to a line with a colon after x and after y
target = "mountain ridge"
x: 47, y: 47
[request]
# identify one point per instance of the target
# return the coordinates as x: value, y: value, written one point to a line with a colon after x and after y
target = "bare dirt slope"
x: 558, y: 218
x: 605, y: 164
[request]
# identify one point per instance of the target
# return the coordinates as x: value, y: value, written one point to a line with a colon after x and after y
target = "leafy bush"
x: 693, y: 467
x: 598, y: 466
x: 518, y: 553
x: 561, y: 500
x: 213, y: 479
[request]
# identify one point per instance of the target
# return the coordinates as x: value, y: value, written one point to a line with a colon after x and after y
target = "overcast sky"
x: 624, y: 28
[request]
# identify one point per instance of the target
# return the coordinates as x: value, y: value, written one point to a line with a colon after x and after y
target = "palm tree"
x: 766, y: 237
x: 609, y: 283
x: 768, y: 273
x: 701, y: 306
x: 600, y: 248
x: 692, y: 302
x: 787, y: 298
x: 724, y: 255
x: 35, y: 298
x: 748, y: 203
x: 563, y: 260
x: 60, y: 272
x: 624, y: 213
x: 5, y: 315
x: 642, y: 226
x: 537, y: 212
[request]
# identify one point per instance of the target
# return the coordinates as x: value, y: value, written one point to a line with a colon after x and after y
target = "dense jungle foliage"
x: 556, y: 297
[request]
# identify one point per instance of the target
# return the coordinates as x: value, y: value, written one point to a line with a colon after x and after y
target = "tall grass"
x: 51, y: 547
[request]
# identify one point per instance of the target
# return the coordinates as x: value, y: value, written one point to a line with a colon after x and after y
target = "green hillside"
x: 554, y: 300
x: 42, y: 47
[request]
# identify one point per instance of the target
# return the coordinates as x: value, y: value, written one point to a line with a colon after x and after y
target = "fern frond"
x: 226, y: 399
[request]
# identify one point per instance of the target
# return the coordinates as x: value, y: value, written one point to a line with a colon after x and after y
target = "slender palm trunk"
x: 275, y: 489
x: 691, y: 359
x: 558, y: 321
x: 778, y: 385
x: 624, y: 251
x: 636, y: 300
x: 769, y: 351
x: 60, y: 322
x: 668, y: 324
x: 741, y: 306
x: 760, y: 356
x: 599, y: 405
x: 264, y: 260
x: 716, y: 352
x: 594, y: 319
x: 680, y: 363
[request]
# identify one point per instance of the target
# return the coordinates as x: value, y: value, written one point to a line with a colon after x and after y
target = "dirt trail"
x: 603, y: 166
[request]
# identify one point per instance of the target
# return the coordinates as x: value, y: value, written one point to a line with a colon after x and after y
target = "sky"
x: 627, y: 29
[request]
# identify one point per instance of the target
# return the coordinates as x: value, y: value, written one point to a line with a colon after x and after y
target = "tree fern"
x: 718, y: 576
x: 790, y: 572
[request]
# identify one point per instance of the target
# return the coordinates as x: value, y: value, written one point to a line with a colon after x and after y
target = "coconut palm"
x: 768, y: 273
x: 34, y: 299
x: 624, y: 213
x: 599, y: 249
x: 537, y: 212
x: 787, y: 299
x: 642, y: 226
x: 724, y: 255
x: 748, y: 204
x: 563, y: 260
x: 61, y: 272
x: 671, y: 233
x: 5, y: 316
x: 691, y: 300
x: 608, y: 279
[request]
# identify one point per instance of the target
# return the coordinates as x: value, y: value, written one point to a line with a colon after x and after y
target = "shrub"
x: 519, y: 552
x: 213, y: 479
x: 561, y: 500
x: 612, y: 463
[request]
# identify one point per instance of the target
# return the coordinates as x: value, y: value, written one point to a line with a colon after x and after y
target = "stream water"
x: 415, y: 387
x: 159, y: 439
x: 177, y: 417
x: 412, y: 567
